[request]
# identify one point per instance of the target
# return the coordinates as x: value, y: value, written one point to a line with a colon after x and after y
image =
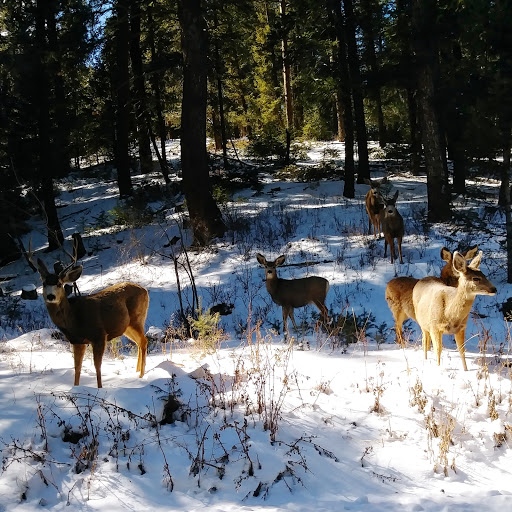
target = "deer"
x: 442, y: 309
x: 97, y: 318
x: 392, y: 227
x: 399, y: 290
x: 294, y: 293
x: 374, y: 205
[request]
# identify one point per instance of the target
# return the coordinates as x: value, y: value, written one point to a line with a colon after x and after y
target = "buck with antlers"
x: 442, y: 309
x: 97, y: 318
x: 399, y: 290
x: 294, y: 293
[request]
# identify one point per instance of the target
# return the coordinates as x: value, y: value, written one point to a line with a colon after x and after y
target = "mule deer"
x: 97, y: 318
x: 392, y: 227
x: 374, y: 205
x: 294, y: 293
x: 442, y: 309
x: 399, y: 291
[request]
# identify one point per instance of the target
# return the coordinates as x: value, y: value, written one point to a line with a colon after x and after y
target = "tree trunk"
x: 339, y: 116
x: 424, y: 16
x: 287, y: 79
x: 55, y: 236
x: 146, y: 160
x: 505, y: 192
x: 155, y: 85
x: 369, y: 9
x: 220, y: 95
x: 205, y: 216
x: 363, y: 166
x: 61, y: 131
x: 343, y: 93
x: 122, y: 88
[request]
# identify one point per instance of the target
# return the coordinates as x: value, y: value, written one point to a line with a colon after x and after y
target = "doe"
x: 392, y: 227
x: 374, y: 205
x: 399, y: 290
x: 294, y: 293
x: 442, y: 309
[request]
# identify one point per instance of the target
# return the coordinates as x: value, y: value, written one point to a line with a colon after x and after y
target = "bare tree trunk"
x: 55, y: 236
x: 424, y: 16
x: 370, y: 7
x: 363, y: 166
x: 155, y: 85
x: 344, y: 94
x: 146, y: 160
x: 220, y: 95
x: 205, y: 216
x: 122, y: 85
x: 287, y: 79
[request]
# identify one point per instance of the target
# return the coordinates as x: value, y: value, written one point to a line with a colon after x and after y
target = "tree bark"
x: 205, y: 216
x: 343, y: 92
x: 122, y: 88
x: 143, y: 137
x: 424, y: 16
x: 363, y: 166
x: 287, y: 79
x: 155, y: 86
x: 45, y: 151
x: 367, y: 24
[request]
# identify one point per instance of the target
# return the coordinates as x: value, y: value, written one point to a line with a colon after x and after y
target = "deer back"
x: 298, y: 292
x: 102, y: 315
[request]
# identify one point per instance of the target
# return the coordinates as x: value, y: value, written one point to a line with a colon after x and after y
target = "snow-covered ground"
x: 351, y: 422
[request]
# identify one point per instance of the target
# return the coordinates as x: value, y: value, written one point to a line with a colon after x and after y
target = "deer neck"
x: 62, y: 316
x: 272, y: 286
x: 461, y: 302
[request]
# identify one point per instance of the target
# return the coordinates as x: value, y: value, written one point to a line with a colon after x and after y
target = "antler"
x: 74, y: 257
x: 39, y: 264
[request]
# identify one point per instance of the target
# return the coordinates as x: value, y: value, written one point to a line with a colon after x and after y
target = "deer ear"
x: 70, y: 276
x: 470, y: 253
x: 280, y: 260
x: 446, y: 255
x: 475, y: 262
x: 459, y: 262
x: 261, y: 259
x: 395, y: 197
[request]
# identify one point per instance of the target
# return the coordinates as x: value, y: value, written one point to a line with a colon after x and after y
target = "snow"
x: 262, y: 425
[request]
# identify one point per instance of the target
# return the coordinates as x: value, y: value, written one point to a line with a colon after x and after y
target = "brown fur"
x: 97, y: 318
x: 442, y: 309
x: 374, y: 203
x: 399, y: 291
x: 392, y: 227
x: 294, y: 293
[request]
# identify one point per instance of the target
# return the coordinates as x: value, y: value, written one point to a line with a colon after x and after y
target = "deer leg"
x: 98, y: 348
x: 285, y: 322
x: 400, y: 319
x: 399, y: 245
x: 78, y: 355
x: 324, y: 316
x: 385, y: 246
x: 290, y: 314
x: 138, y: 337
x: 437, y: 341
x: 459, y: 339
x: 425, y: 341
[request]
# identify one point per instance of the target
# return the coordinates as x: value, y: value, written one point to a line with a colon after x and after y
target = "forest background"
x: 94, y: 84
